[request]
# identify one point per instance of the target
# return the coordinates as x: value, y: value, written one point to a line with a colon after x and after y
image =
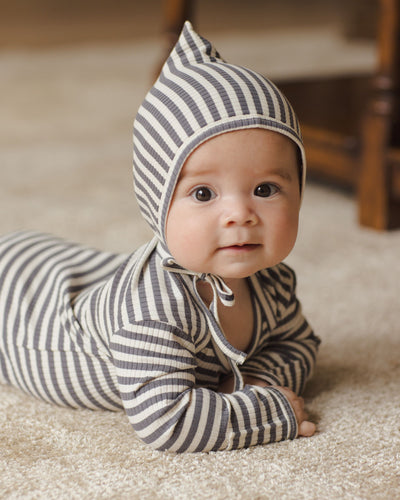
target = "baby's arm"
x: 286, y: 358
x: 305, y: 427
x: 155, y: 366
x: 286, y: 354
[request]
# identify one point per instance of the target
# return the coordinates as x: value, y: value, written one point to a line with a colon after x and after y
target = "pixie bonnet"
x: 198, y: 95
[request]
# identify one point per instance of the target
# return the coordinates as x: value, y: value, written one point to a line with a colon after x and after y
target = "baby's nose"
x: 241, y: 213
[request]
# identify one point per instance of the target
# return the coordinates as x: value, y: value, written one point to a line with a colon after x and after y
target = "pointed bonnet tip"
x: 192, y: 47
x: 189, y: 33
x: 188, y: 25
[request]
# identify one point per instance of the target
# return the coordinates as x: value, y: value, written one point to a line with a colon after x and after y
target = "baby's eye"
x: 203, y: 193
x: 266, y: 190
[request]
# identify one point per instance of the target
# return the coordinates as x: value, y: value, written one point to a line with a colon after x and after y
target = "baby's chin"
x: 242, y: 272
x: 238, y: 275
x: 230, y: 270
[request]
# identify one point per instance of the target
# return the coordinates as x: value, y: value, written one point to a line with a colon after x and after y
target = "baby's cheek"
x: 183, y: 247
x: 285, y: 227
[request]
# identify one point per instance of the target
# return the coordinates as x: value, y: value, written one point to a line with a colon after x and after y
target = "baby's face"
x: 236, y: 204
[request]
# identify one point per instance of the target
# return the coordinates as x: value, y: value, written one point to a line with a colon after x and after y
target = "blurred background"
x: 38, y: 23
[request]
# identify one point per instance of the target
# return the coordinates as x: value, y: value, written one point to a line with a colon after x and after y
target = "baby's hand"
x: 306, y: 428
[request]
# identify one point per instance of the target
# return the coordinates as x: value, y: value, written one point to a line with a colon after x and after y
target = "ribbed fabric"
x: 88, y: 329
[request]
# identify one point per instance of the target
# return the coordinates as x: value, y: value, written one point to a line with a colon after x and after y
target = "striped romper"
x: 88, y: 329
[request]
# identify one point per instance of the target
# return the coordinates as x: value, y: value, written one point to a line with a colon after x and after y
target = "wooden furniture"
x: 350, y: 124
x: 175, y: 13
x: 379, y: 165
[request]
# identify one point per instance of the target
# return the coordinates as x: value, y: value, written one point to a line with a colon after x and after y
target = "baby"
x: 197, y: 335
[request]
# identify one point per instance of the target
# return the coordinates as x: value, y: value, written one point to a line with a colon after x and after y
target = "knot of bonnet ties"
x: 219, y: 287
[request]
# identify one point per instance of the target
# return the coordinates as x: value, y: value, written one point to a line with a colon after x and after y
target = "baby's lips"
x: 238, y: 246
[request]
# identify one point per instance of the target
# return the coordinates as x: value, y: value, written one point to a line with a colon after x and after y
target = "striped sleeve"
x: 155, y: 367
x: 286, y: 355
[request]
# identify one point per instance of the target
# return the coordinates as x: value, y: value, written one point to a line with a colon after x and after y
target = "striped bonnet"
x: 197, y: 96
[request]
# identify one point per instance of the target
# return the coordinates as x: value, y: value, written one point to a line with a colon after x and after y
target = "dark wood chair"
x: 350, y: 124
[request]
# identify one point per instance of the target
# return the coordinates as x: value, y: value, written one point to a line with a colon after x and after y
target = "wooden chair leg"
x: 377, y: 209
x: 175, y: 13
x: 374, y: 180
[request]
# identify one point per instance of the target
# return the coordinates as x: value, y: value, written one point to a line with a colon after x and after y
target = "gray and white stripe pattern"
x: 43, y: 350
x: 86, y: 329
x: 197, y: 96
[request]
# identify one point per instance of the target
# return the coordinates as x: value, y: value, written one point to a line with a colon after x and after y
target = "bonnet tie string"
x: 219, y: 287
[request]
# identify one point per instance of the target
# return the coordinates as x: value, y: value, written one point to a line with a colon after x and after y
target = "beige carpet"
x: 65, y: 159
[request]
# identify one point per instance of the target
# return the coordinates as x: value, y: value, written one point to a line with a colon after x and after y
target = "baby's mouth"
x: 241, y: 247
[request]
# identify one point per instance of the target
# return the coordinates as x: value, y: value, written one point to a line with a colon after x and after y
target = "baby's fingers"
x: 307, y: 428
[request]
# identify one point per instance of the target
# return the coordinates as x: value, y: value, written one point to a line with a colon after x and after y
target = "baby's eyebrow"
x: 284, y: 173
x: 193, y: 176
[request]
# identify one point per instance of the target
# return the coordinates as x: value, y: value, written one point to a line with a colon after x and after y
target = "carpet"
x: 65, y: 160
